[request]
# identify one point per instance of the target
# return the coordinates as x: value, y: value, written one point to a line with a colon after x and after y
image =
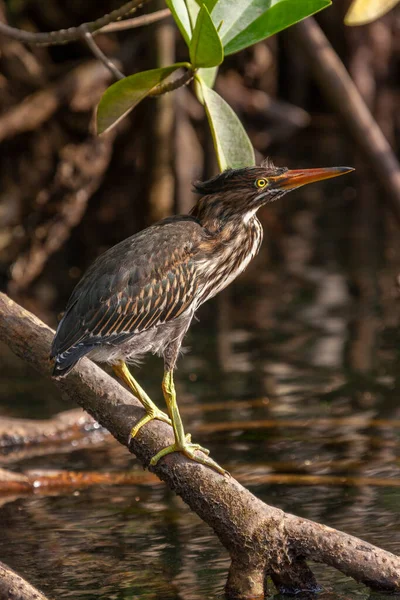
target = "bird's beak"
x: 295, y: 179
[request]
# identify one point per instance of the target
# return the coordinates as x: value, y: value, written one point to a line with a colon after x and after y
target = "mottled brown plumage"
x: 140, y: 296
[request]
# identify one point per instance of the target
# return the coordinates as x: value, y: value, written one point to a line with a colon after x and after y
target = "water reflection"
x: 142, y: 542
x: 292, y: 371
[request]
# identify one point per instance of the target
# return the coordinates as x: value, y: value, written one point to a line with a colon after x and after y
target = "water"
x: 291, y: 382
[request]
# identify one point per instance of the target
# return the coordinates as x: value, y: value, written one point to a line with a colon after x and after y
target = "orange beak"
x: 295, y: 179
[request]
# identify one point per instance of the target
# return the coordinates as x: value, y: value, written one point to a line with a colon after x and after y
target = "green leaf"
x: 208, y: 75
x: 193, y: 10
x: 249, y: 21
x: 121, y: 97
x: 205, y: 47
x: 365, y: 11
x: 208, y: 3
x: 232, y: 145
x: 181, y: 16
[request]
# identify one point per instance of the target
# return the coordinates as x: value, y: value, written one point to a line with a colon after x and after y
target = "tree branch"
x: 26, y: 438
x: 12, y: 586
x: 66, y: 426
x: 152, y: 17
x: 88, y: 37
x: 105, y: 24
x: 261, y: 540
x: 55, y: 480
x: 342, y: 93
x: 79, y: 89
x: 88, y: 161
x: 64, y: 36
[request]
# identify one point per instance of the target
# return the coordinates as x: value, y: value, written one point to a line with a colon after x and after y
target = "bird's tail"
x: 65, y: 361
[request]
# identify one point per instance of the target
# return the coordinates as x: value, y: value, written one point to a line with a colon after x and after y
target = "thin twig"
x: 102, y: 57
x: 64, y: 36
x: 153, y: 17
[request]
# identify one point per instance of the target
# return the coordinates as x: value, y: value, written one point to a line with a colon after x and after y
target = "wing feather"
x: 119, y: 297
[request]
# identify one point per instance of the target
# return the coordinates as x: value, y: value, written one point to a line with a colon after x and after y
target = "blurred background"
x: 292, y: 377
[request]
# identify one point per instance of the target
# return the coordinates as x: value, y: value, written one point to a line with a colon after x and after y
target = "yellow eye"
x: 261, y: 183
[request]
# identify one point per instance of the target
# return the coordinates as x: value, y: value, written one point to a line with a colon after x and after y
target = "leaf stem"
x: 164, y: 88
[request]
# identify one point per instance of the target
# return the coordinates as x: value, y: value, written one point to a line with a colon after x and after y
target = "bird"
x: 141, y: 295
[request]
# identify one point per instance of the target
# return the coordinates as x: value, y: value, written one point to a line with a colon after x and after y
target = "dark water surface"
x: 292, y: 372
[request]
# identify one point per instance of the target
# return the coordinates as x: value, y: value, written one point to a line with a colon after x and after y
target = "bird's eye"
x: 261, y: 183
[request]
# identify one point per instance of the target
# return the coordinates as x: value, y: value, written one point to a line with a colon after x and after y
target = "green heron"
x: 140, y: 295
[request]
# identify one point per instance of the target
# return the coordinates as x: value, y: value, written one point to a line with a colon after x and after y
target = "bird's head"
x: 241, y: 192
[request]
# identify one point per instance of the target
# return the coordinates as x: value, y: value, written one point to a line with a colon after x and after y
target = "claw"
x: 183, y: 443
x: 154, y: 414
x: 198, y: 447
x: 189, y: 450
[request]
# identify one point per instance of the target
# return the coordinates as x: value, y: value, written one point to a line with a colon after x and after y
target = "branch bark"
x: 261, y: 540
x: 12, y: 586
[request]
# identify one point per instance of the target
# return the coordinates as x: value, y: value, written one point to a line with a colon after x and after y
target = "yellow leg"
x: 152, y: 411
x: 182, y: 442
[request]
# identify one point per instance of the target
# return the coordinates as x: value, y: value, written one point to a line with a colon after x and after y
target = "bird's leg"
x: 152, y: 411
x: 182, y: 442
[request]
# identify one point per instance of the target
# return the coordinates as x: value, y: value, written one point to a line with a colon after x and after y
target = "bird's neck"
x: 231, y: 242
x: 227, y: 233
x: 222, y: 219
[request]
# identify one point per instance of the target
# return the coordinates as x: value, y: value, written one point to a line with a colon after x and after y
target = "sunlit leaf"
x: 365, y: 11
x: 209, y: 75
x: 249, y: 21
x: 181, y: 16
x: 193, y: 10
x: 232, y: 145
x: 121, y: 97
x: 205, y: 47
x: 208, y: 3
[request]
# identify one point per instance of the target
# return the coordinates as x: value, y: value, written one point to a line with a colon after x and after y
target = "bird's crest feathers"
x: 236, y: 178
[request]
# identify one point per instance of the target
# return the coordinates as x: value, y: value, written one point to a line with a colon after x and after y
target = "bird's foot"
x: 149, y: 416
x: 191, y: 451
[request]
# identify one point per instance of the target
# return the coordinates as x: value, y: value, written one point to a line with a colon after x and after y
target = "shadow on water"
x: 292, y: 383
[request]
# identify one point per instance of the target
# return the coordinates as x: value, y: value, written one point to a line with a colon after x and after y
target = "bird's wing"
x: 134, y: 286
